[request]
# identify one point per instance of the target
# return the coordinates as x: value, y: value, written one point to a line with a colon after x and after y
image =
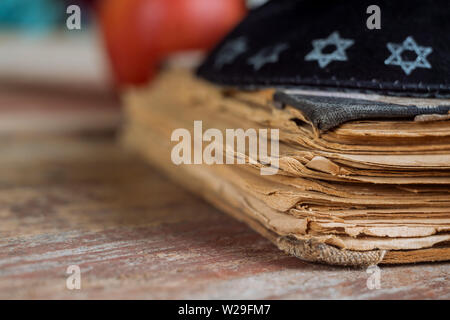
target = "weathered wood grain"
x: 76, y: 198
x: 134, y: 234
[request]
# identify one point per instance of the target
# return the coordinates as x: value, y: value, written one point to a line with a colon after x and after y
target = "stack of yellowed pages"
x: 364, y: 192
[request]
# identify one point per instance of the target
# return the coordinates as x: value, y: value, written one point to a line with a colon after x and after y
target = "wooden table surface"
x: 77, y: 198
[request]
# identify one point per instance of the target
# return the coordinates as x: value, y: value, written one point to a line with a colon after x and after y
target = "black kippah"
x: 327, y: 44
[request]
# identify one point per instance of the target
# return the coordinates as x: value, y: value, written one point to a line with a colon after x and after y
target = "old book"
x: 339, y: 197
x: 358, y: 171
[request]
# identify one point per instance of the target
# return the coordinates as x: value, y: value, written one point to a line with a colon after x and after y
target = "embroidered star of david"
x: 408, y: 45
x: 230, y: 52
x: 325, y: 58
x: 267, y: 55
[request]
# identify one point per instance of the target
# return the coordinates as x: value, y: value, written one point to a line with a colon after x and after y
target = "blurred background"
x: 63, y: 64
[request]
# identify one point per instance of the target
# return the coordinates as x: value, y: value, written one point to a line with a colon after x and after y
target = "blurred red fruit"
x: 140, y: 33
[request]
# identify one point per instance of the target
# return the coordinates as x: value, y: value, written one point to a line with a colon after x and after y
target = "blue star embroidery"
x: 408, y: 45
x: 230, y: 51
x: 325, y: 58
x: 267, y: 55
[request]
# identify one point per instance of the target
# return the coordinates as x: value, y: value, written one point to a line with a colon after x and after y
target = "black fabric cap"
x: 325, y: 44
